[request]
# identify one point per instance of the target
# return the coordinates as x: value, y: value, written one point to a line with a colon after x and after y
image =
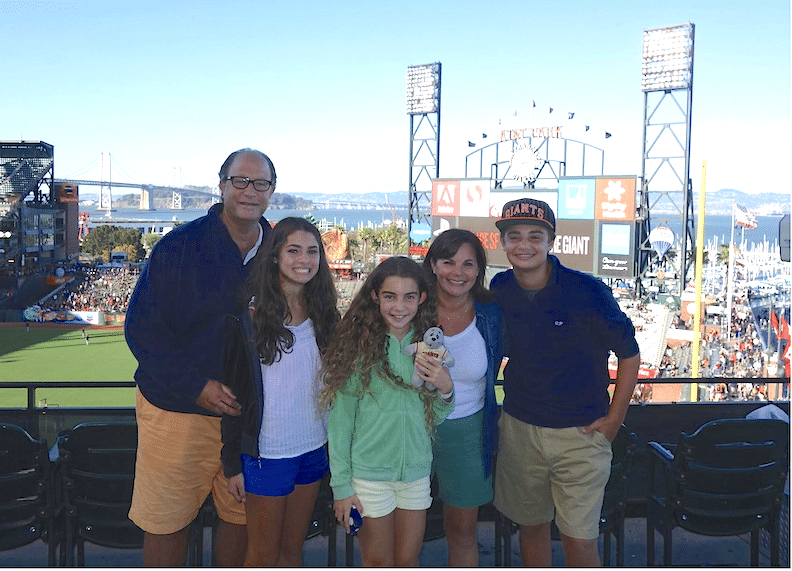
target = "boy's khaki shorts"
x: 178, y: 465
x: 542, y: 472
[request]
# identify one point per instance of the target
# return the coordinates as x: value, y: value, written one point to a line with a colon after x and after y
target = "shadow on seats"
x: 98, y: 472
x: 27, y: 492
x: 725, y: 479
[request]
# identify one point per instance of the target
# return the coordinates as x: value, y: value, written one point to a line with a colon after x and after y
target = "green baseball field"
x: 60, y: 353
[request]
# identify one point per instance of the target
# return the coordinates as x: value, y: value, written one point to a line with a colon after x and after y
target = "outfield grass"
x: 61, y: 354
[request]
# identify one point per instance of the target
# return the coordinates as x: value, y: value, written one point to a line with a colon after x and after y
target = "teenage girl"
x: 274, y: 453
x: 380, y: 426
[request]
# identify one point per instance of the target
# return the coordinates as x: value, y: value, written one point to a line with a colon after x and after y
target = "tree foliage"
x: 149, y: 240
x: 105, y: 239
x: 391, y: 240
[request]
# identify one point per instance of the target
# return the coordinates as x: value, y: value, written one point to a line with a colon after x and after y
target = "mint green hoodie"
x: 381, y: 436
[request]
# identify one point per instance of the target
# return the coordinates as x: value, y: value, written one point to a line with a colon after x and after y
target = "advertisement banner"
x: 616, y: 248
x: 574, y: 244
x: 36, y: 314
x: 57, y: 280
x: 615, y: 199
x: 445, y: 197
x: 576, y: 198
x: 67, y: 193
x: 460, y: 197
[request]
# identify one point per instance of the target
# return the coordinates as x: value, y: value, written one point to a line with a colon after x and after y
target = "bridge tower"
x: 176, y: 200
x: 147, y: 197
x: 106, y: 190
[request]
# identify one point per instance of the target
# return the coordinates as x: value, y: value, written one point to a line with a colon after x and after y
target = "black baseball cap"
x: 526, y: 211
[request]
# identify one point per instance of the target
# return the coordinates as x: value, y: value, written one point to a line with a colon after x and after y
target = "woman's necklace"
x: 464, y: 312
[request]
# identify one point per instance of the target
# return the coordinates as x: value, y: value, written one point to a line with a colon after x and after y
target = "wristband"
x: 447, y: 395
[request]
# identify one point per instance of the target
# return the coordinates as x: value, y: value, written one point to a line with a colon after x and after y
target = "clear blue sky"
x: 173, y: 87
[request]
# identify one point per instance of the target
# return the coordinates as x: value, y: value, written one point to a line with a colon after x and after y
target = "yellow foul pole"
x: 699, y: 272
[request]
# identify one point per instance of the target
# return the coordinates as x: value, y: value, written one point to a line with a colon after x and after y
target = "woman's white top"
x: 469, y: 371
x: 292, y: 424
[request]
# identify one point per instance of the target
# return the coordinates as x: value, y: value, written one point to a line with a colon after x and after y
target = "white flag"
x: 744, y: 218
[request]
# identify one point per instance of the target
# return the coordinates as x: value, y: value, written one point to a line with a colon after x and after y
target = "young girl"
x: 273, y: 452
x: 379, y: 426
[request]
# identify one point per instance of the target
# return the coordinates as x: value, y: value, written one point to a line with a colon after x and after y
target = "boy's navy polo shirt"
x: 558, y: 346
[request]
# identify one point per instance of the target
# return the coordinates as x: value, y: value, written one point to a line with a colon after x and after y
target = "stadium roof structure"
x: 24, y: 165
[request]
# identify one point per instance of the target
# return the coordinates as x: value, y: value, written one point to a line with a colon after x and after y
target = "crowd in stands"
x: 738, y: 356
x: 104, y: 289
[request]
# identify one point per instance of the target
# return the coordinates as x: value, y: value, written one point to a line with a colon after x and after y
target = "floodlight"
x: 423, y: 88
x: 668, y: 58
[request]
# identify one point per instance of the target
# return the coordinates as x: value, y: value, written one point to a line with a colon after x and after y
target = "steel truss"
x: 666, y: 194
x: 559, y: 157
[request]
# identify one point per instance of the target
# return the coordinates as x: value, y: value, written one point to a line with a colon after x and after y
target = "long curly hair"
x: 360, y: 342
x: 270, y: 308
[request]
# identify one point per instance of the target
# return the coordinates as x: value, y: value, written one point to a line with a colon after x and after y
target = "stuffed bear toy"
x: 432, y: 345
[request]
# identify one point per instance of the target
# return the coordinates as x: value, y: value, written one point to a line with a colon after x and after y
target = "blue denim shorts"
x: 278, y: 476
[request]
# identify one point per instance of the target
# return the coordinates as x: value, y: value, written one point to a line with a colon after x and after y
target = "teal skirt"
x: 457, y: 462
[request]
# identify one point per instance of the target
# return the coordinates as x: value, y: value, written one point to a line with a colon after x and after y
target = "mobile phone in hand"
x: 355, y: 521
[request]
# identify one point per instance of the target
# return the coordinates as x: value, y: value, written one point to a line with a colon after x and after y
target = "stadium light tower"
x: 423, y: 107
x: 666, y: 190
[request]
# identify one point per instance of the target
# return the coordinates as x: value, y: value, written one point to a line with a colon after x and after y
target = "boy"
x: 557, y: 422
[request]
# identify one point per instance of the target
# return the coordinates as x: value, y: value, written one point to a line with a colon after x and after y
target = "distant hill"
x: 761, y: 204
x: 397, y: 199
x: 279, y: 201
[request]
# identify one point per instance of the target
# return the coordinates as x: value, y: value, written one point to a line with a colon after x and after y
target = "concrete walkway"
x: 689, y: 551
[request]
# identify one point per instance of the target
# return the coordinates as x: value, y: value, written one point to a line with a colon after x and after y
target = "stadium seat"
x: 98, y: 471
x: 28, y: 505
x: 725, y: 479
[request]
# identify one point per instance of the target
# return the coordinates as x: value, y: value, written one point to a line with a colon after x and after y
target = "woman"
x: 464, y: 443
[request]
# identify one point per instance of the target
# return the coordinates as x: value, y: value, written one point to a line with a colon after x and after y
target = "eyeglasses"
x: 241, y: 182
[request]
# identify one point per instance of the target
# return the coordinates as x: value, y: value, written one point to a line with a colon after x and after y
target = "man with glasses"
x: 175, y: 327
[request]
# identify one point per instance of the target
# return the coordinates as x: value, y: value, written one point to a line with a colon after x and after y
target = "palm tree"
x: 365, y: 235
x: 394, y: 236
x: 723, y: 254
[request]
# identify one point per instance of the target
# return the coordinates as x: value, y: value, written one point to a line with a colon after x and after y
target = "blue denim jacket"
x: 489, y: 322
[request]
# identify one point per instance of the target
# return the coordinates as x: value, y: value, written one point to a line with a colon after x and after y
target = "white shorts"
x: 381, y: 498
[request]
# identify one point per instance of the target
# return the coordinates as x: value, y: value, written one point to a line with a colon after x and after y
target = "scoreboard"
x: 595, y: 219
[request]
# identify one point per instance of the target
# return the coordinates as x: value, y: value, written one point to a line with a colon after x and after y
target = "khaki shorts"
x: 381, y: 498
x: 178, y: 465
x: 542, y: 472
